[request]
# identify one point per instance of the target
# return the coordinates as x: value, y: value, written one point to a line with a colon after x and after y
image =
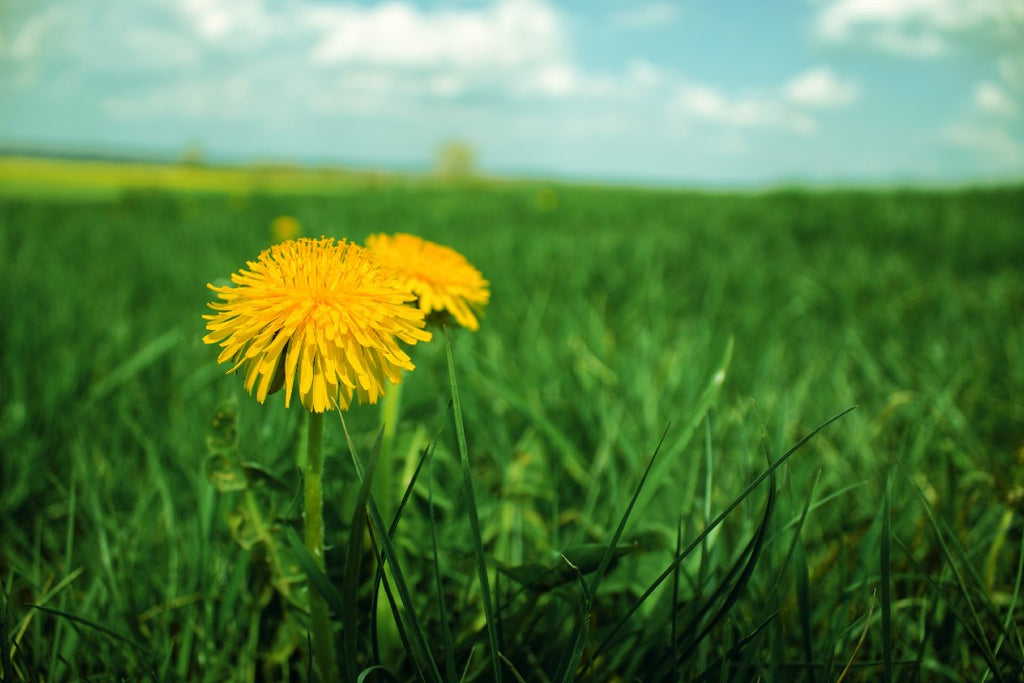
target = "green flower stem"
x: 384, y: 477
x: 323, y: 643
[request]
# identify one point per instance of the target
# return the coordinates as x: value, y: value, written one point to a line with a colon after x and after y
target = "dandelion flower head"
x: 285, y: 228
x: 317, y: 314
x: 441, y: 278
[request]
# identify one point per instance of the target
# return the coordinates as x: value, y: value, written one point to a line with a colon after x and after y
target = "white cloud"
x: 711, y: 105
x: 991, y: 99
x: 1011, y: 68
x: 820, y: 88
x: 646, y: 15
x: 30, y: 41
x: 916, y: 27
x: 193, y: 99
x: 511, y: 34
x: 992, y: 142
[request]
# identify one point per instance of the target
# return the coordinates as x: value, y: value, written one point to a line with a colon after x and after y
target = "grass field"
x: 147, y: 500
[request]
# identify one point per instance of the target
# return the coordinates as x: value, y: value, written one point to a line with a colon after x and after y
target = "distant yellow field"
x: 21, y: 176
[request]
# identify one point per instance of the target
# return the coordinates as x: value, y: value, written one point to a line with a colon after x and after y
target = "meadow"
x: 149, y: 504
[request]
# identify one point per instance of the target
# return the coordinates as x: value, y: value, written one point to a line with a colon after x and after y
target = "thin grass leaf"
x: 735, y: 650
x: 753, y: 550
x: 378, y: 670
x: 96, y: 626
x: 570, y: 660
x: 945, y: 540
x: 474, y: 520
x: 803, y: 595
x: 393, y: 604
x: 713, y: 525
x: 860, y: 641
x: 380, y: 575
x: 446, y: 631
x: 964, y: 619
x: 885, y: 569
x: 316, y: 576
x: 1011, y: 608
x: 353, y: 558
x: 135, y: 364
x: 381, y: 534
x: 674, y: 616
x: 595, y: 581
x: 700, y: 411
x: 511, y: 667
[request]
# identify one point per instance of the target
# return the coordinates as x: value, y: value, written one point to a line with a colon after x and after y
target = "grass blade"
x: 713, y: 525
x: 978, y: 628
x: 135, y: 645
x: 353, y: 558
x: 609, y: 552
x: 474, y: 520
x: 446, y: 631
x: 380, y: 532
x: 885, y: 577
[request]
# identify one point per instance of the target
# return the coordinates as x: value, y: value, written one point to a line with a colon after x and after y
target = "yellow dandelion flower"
x: 325, y: 312
x: 441, y: 278
x: 285, y: 228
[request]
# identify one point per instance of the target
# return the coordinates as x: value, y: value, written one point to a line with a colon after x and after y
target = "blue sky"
x: 690, y: 92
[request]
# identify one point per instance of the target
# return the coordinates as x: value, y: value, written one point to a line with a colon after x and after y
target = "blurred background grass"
x: 611, y: 311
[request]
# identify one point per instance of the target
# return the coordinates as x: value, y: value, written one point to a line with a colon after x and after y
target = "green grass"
x: 147, y: 499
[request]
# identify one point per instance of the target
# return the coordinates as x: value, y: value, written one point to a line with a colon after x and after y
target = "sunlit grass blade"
x: 474, y: 520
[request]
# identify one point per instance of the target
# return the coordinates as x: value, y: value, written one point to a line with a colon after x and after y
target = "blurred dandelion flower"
x: 441, y: 278
x: 325, y: 312
x: 546, y: 200
x: 285, y: 228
